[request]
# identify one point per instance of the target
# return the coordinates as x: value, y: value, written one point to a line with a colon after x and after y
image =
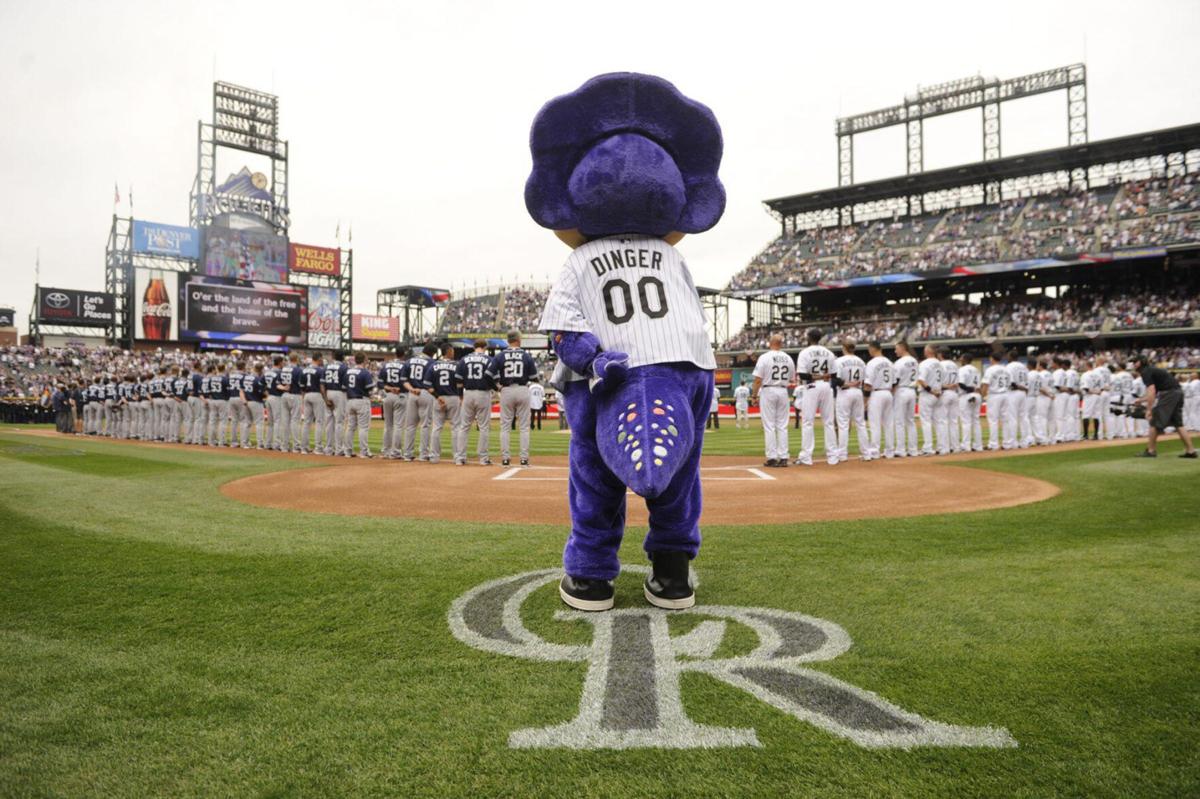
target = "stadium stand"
x: 494, y: 310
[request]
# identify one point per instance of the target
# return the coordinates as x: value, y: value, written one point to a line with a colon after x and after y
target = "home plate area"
x: 736, y: 492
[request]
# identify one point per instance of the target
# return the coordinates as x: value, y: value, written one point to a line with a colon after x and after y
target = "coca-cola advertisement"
x: 324, y: 317
x: 156, y: 315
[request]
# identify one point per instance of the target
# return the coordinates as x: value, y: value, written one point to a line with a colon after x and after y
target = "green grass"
x: 157, y: 638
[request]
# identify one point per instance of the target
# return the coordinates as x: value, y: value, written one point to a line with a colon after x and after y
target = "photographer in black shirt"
x: 1164, y: 404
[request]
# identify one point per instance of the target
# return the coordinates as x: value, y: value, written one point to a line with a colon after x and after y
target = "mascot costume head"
x: 623, y: 168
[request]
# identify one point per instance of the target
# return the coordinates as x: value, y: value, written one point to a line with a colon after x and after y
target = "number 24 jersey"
x: 636, y: 295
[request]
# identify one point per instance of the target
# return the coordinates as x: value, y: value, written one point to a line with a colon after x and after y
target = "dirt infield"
x: 736, y: 491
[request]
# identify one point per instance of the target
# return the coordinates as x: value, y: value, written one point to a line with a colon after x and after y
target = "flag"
x: 116, y: 195
x: 351, y: 232
x: 130, y: 198
x: 337, y: 233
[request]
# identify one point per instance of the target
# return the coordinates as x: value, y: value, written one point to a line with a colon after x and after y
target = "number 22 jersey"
x: 636, y: 295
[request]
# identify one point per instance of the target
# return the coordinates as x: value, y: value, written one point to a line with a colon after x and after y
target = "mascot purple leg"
x: 645, y: 435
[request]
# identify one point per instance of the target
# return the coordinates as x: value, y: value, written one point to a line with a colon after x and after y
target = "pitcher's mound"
x: 736, y: 491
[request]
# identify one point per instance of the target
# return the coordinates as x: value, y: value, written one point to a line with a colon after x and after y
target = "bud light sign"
x: 159, y: 239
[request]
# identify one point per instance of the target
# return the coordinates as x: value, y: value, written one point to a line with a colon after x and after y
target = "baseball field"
x: 163, y: 635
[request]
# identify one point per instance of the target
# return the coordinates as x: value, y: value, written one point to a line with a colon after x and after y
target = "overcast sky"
x: 409, y: 121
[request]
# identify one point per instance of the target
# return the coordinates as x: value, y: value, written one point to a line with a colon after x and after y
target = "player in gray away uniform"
x: 312, y: 393
x: 335, y: 403
x: 254, y: 387
x: 277, y: 418
x: 359, y: 382
x: 239, y: 414
x: 293, y: 403
x: 447, y: 394
x: 218, y: 406
x: 145, y: 409
x: 196, y: 403
x: 391, y: 377
x: 477, y: 400
x: 419, y: 406
x: 181, y: 411
x: 513, y: 369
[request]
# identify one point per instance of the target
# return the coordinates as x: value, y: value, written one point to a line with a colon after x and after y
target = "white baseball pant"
x: 850, y: 411
x: 818, y: 397
x: 774, y: 410
x: 881, y: 426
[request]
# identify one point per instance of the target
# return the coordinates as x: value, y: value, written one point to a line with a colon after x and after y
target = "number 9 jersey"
x: 635, y: 294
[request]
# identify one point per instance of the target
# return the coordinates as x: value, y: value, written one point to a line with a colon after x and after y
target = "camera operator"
x: 1164, y: 403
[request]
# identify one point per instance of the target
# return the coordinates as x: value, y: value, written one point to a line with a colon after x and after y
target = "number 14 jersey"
x: 636, y: 295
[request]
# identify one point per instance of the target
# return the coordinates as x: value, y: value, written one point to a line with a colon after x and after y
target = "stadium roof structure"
x: 1075, y: 157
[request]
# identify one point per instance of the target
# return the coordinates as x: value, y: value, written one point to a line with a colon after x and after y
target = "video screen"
x: 216, y: 309
x: 245, y: 255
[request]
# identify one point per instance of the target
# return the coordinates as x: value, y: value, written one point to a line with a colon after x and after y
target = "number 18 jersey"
x: 636, y: 295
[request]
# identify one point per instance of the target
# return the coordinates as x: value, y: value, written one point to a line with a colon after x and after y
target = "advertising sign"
x: 245, y: 255
x: 214, y: 309
x: 324, y: 317
x: 155, y: 317
x: 159, y: 239
x: 364, y: 327
x: 314, y: 260
x: 8, y: 317
x: 70, y: 307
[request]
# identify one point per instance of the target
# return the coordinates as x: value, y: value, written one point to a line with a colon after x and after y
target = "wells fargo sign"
x: 314, y: 260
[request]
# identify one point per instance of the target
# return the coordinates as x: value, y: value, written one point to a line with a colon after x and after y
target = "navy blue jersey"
x: 271, y: 382
x: 235, y: 383
x: 311, y: 378
x: 110, y: 391
x: 255, y: 387
x: 293, y: 379
x: 393, y: 374
x: 155, y: 386
x: 512, y: 367
x: 142, y: 392
x: 444, y: 377
x: 358, y: 382
x: 197, y: 384
x: 335, y: 376
x: 472, y: 372
x: 418, y: 371
x: 220, y: 387
x: 181, y: 387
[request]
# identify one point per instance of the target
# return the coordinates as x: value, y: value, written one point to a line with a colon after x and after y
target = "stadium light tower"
x: 986, y: 94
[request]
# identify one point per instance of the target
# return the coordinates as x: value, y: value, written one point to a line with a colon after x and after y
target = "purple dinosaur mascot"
x: 623, y: 167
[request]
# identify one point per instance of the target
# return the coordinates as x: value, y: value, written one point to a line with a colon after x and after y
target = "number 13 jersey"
x: 636, y: 295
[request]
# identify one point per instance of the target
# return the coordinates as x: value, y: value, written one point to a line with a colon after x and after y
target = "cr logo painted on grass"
x: 631, y: 695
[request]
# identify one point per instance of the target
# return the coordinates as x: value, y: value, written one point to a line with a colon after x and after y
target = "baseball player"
x: 1056, y: 430
x: 181, y: 411
x: 477, y: 400
x: 1191, y: 399
x: 904, y: 402
x: 878, y: 380
x: 537, y: 403
x: 196, y: 404
x: 929, y: 383
x: 714, y: 408
x: 1089, y: 387
x: 125, y: 407
x: 513, y: 369
x: 797, y: 403
x: 1121, y: 395
x: 741, y: 406
x: 392, y: 376
x: 110, y: 406
x: 1104, y: 377
x: 218, y: 405
x: 334, y: 382
x: 1074, y: 408
x: 312, y: 397
x: 994, y: 389
x: 814, y: 368
x: 948, y: 409
x: 969, y: 402
x: 145, y: 408
x: 772, y: 374
x: 254, y: 389
x: 276, y: 420
x: 359, y: 382
x: 239, y: 414
x: 1141, y: 427
x: 850, y: 371
x: 91, y: 409
x: 419, y: 406
x: 293, y: 402
x: 1018, y: 400
x: 447, y: 404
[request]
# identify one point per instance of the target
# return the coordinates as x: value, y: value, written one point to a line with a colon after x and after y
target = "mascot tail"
x: 645, y: 432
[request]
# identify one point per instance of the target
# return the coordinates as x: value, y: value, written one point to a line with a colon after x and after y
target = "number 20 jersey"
x: 636, y: 295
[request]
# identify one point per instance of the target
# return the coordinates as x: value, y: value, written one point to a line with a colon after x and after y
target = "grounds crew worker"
x: 1164, y: 401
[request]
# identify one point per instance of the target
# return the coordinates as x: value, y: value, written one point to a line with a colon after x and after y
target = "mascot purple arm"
x: 623, y: 167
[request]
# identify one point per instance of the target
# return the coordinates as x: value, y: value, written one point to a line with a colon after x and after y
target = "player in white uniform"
x: 969, y: 403
x: 1191, y: 399
x: 904, y: 401
x: 948, y: 410
x: 994, y: 387
x: 1121, y: 396
x: 741, y: 406
x: 798, y: 403
x: 929, y: 381
x: 881, y: 427
x: 1018, y: 401
x: 1074, y: 407
x: 850, y: 371
x: 1089, y: 387
x: 1043, y: 399
x: 814, y: 366
x: 1057, y: 430
x: 1105, y: 377
x: 772, y: 374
